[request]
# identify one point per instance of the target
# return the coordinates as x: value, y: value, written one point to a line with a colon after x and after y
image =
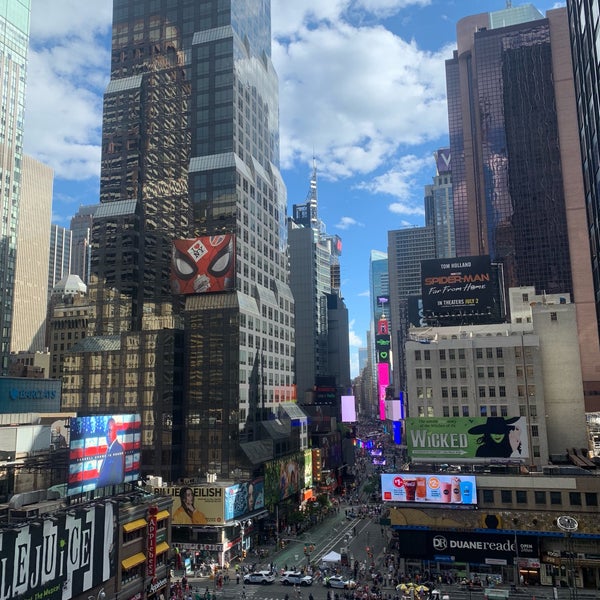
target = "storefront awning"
x: 162, y: 547
x: 163, y: 514
x: 133, y: 561
x: 133, y: 525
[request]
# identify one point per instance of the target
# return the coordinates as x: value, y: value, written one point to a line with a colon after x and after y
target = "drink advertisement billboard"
x: 456, y: 438
x: 429, y: 489
x: 104, y: 450
x: 203, y: 265
x: 461, y: 284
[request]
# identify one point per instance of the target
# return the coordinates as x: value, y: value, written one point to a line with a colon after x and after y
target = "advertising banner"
x: 104, y: 450
x: 199, y: 505
x: 60, y: 558
x: 203, y: 265
x: 284, y: 477
x: 382, y: 348
x: 244, y: 498
x: 151, y: 542
x: 475, y: 548
x: 348, y: 409
x: 450, y: 438
x: 429, y: 489
x: 463, y: 284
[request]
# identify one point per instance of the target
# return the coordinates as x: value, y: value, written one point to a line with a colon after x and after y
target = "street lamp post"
x: 243, y: 525
x: 569, y: 525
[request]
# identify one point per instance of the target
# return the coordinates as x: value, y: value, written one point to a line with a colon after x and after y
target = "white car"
x: 263, y: 577
x: 295, y: 578
x: 335, y: 581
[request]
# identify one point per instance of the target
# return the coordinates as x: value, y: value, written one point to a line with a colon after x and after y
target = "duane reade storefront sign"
x: 498, y: 548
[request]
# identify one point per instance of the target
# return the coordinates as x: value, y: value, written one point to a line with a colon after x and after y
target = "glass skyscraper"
x: 14, y: 40
x: 509, y: 200
x: 584, y: 21
x: 191, y: 148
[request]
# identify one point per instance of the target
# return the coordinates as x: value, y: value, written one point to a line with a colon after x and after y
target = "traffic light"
x: 243, y: 554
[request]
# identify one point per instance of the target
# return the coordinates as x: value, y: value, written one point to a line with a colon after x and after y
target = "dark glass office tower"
x: 509, y: 199
x: 516, y: 166
x: 191, y: 148
x: 239, y: 345
x: 584, y: 20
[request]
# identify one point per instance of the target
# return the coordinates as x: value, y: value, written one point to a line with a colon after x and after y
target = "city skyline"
x: 372, y: 136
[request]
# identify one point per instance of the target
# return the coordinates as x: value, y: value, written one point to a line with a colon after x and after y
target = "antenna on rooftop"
x: 508, y: 3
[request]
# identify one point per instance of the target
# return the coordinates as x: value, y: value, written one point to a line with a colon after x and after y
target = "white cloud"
x: 347, y: 222
x: 67, y: 73
x: 372, y: 94
x: 402, y: 181
x: 354, y: 339
x: 365, y: 294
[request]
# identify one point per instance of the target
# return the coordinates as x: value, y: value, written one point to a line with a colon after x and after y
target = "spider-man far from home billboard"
x: 203, y: 265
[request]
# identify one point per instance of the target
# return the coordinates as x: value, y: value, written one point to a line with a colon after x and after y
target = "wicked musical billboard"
x: 452, y: 285
x: 457, y: 438
x: 60, y: 557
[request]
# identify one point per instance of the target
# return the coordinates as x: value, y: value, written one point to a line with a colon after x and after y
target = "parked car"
x: 263, y: 577
x: 335, y: 581
x: 295, y: 578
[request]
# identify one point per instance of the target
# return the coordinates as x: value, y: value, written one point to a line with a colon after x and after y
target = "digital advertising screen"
x: 450, y: 284
x: 348, y: 409
x: 457, y: 438
x: 104, y: 450
x: 429, y: 489
x: 203, y: 265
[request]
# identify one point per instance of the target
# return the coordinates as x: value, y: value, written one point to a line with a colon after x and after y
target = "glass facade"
x: 190, y: 147
x: 584, y: 21
x: 506, y: 167
x: 14, y: 40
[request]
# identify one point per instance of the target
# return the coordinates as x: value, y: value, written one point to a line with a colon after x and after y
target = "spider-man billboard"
x: 203, y: 265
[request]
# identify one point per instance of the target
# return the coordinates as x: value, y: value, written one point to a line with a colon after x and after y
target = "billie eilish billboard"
x: 456, y: 438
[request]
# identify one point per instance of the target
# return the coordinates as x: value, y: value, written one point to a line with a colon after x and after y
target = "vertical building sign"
x: 151, y: 548
x: 382, y: 343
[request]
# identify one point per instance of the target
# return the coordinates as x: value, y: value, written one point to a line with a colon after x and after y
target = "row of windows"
x: 452, y: 353
x: 540, y: 497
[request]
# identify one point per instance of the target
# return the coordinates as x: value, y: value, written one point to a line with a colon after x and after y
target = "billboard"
x: 61, y: 557
x: 456, y: 285
x: 203, y: 265
x: 461, y: 546
x: 103, y: 450
x: 429, y: 489
x: 383, y: 381
x: 382, y: 348
x: 283, y: 478
x: 244, y: 498
x: 459, y: 438
x: 348, y: 409
x: 195, y: 505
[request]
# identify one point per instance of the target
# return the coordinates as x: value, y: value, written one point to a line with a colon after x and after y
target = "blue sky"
x: 362, y: 88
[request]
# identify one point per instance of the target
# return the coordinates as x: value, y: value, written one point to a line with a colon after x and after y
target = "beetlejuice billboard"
x: 60, y: 557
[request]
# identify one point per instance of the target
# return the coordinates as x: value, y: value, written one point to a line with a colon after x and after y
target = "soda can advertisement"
x: 453, y: 489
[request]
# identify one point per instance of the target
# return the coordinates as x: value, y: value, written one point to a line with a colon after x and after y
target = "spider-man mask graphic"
x: 203, y: 265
